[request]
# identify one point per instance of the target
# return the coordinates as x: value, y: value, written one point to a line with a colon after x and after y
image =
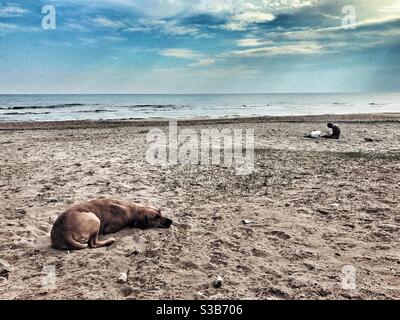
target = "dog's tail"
x: 75, y: 245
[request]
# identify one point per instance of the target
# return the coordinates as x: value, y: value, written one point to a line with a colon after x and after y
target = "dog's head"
x: 149, y: 217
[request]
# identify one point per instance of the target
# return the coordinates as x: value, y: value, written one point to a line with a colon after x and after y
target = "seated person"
x: 336, y: 132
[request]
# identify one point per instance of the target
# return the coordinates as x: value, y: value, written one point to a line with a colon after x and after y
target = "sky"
x: 203, y: 46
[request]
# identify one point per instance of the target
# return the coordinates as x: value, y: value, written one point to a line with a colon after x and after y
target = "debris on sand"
x: 372, y: 140
x: 20, y: 211
x: 123, y: 277
x: 126, y: 291
x: 324, y: 212
x: 4, y: 269
x: 245, y: 221
x: 218, y: 282
x: 133, y: 253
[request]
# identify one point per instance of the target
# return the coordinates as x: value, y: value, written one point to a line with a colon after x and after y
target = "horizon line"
x: 205, y: 93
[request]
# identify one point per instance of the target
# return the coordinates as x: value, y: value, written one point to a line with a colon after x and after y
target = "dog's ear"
x: 118, y: 209
x: 145, y: 222
x: 141, y: 222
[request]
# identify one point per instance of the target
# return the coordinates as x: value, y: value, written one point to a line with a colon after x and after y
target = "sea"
x: 62, y: 107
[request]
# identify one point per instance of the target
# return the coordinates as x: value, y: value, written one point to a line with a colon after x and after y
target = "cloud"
x: 7, y: 27
x: 174, y: 17
x: 290, y: 5
x: 92, y: 41
x: 369, y: 33
x: 364, y: 31
x: 291, y: 49
x: 241, y: 21
x: 114, y: 38
x: 252, y: 42
x: 108, y: 23
x: 169, y: 27
x: 175, y: 29
x: 203, y: 63
x: 239, y: 6
x: 201, y: 60
x: 180, y: 53
x: 12, y: 10
x: 391, y: 8
x: 239, y: 15
x: 379, y: 21
x: 215, y: 7
x: 74, y: 26
x: 88, y: 41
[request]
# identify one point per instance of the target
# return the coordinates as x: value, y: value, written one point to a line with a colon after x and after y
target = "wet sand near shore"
x: 315, y: 207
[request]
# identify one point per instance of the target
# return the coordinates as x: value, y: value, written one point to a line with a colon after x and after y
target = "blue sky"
x: 203, y: 46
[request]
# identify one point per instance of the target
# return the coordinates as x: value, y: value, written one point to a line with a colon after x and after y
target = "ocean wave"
x: 374, y: 104
x: 54, y: 106
x: 22, y: 113
x: 154, y: 106
x: 66, y: 105
x: 93, y: 111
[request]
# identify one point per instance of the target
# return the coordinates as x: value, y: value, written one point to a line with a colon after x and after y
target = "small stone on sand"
x: 218, y: 282
x: 123, y: 277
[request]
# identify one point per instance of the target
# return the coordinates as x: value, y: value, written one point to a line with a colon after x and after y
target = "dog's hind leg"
x: 94, y: 241
x: 75, y: 245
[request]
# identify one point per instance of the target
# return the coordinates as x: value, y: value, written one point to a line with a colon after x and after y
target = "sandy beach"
x: 316, y: 206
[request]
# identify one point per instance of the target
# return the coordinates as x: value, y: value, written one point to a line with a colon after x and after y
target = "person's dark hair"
x: 330, y: 125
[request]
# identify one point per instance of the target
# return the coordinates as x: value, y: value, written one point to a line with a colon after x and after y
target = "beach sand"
x: 317, y: 206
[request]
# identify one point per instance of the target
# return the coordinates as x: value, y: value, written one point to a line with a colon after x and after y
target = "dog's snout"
x: 167, y: 223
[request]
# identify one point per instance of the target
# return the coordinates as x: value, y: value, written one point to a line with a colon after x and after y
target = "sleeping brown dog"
x: 79, y: 226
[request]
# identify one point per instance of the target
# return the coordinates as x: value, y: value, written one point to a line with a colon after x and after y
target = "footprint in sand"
x: 219, y: 258
x: 259, y: 253
x: 279, y: 234
x: 391, y: 228
x: 244, y: 269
